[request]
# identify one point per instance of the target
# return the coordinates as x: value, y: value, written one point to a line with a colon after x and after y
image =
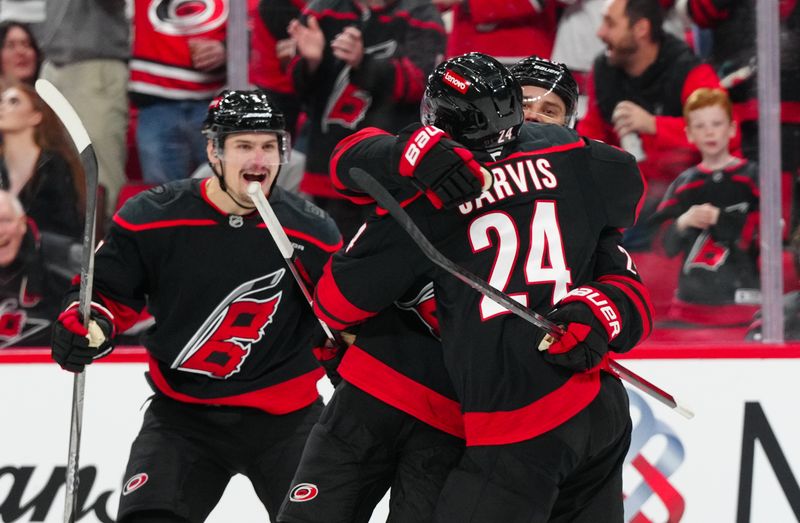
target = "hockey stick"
x: 83, y: 144
x: 284, y: 245
x: 387, y: 201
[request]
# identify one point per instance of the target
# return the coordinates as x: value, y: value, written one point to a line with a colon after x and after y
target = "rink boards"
x: 737, y: 460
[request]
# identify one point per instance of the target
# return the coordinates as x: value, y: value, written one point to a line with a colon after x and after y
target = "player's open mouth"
x: 250, y: 177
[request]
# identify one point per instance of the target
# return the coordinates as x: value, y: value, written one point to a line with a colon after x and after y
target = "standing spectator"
x: 38, y: 164
x: 177, y: 67
x: 359, y: 64
x: 86, y: 48
x: 271, y: 50
x: 733, y: 55
x: 231, y: 359
x: 706, y: 209
x: 20, y: 57
x: 636, y: 94
x: 509, y: 30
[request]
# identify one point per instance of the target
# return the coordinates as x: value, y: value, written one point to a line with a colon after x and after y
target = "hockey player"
x: 230, y: 354
x: 549, y: 91
x: 546, y: 433
x: 396, y: 386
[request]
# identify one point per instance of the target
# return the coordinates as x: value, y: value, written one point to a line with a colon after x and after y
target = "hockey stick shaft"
x: 286, y: 248
x: 387, y: 201
x: 53, y: 98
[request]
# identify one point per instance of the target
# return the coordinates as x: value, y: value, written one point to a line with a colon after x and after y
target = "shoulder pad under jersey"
x: 618, y: 181
x: 301, y: 215
x: 157, y: 203
x: 536, y: 136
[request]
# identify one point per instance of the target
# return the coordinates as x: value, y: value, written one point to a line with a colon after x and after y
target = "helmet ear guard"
x: 474, y: 99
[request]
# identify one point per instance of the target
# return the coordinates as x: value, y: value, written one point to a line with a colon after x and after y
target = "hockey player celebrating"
x: 396, y: 386
x: 230, y: 354
x: 546, y: 432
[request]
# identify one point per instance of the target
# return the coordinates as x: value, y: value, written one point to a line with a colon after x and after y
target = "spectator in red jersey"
x: 509, y: 30
x: 20, y: 56
x: 177, y: 67
x: 359, y: 63
x: 636, y: 94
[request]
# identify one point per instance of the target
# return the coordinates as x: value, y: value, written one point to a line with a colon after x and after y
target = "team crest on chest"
x: 221, y: 345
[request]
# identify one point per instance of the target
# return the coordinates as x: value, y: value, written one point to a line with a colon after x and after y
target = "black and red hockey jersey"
x: 720, y: 260
x: 397, y: 358
x: 549, y: 226
x: 231, y: 325
x: 403, y: 42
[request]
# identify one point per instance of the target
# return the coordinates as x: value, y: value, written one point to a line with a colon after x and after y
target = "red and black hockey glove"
x: 72, y: 346
x: 443, y: 169
x: 591, y: 320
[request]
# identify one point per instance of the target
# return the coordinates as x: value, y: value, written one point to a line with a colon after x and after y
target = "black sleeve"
x: 618, y: 181
x: 276, y: 15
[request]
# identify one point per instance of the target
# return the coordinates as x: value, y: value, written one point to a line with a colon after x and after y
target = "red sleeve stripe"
x: 667, y: 203
x: 380, y: 211
x: 414, y: 22
x: 409, y: 81
x: 330, y: 13
x: 161, y: 224
x: 641, y: 303
x: 381, y: 381
x: 637, y: 286
x: 327, y: 247
x: 124, y: 317
x: 746, y: 180
x: 341, y: 148
x: 328, y: 298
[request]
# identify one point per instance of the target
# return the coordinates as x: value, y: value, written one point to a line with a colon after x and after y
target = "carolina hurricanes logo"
x: 15, y: 323
x: 303, y: 492
x: 424, y: 306
x: 222, y: 343
x: 707, y: 254
x: 187, y: 17
x: 455, y: 81
x: 134, y: 483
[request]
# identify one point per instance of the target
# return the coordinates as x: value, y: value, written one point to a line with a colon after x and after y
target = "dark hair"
x: 649, y: 10
x: 5, y: 27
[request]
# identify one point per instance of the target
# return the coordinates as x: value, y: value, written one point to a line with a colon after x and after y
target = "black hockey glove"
x: 444, y: 170
x: 591, y: 321
x: 72, y: 346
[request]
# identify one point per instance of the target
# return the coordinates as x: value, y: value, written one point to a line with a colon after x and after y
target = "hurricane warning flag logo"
x: 222, y: 343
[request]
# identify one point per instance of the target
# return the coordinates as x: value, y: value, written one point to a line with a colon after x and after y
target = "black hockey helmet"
x: 239, y: 111
x: 553, y: 76
x: 474, y: 99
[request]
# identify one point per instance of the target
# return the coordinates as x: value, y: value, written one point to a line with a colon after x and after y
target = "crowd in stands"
x: 142, y: 74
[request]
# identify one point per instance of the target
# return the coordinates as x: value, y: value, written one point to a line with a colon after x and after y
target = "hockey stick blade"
x: 388, y: 202
x: 286, y: 248
x: 69, y: 118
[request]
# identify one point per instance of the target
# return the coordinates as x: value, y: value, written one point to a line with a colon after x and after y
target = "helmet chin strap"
x: 221, y: 178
